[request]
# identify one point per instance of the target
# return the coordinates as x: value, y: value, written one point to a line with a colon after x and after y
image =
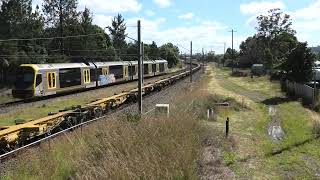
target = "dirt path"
x: 231, y: 86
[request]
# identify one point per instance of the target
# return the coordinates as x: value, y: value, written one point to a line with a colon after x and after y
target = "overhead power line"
x: 51, y: 38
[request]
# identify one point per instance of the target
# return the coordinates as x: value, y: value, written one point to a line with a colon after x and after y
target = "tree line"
x: 57, y: 31
x: 276, y: 46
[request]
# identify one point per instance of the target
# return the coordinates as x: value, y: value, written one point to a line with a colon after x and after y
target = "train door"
x: 86, y: 76
x: 51, y: 83
x: 125, y: 72
x: 39, y: 91
x: 105, y: 71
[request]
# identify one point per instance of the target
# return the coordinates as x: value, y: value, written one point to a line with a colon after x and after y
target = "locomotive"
x: 39, y: 80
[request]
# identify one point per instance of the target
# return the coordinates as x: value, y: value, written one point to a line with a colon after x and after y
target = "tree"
x: 275, y: 31
x: 18, y: 21
x: 170, y: 53
x: 154, y: 51
x: 299, y: 63
x: 118, y: 33
x: 62, y: 19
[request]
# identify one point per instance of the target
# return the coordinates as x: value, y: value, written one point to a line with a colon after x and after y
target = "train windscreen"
x: 25, y: 78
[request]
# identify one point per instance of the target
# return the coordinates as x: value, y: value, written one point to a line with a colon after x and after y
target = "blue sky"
x: 207, y: 22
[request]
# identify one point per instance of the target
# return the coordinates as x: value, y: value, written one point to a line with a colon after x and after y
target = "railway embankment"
x: 123, y: 146
x: 188, y: 145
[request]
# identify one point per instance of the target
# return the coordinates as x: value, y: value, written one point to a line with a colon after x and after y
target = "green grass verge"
x: 255, y: 154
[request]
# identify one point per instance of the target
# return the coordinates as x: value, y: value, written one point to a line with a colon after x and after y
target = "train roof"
x: 83, y: 65
x: 59, y: 65
x: 161, y: 61
x: 111, y: 63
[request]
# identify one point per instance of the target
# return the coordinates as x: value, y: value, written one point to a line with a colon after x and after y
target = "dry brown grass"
x: 125, y: 147
x: 158, y: 148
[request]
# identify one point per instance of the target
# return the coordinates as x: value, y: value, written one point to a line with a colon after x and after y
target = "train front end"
x: 24, y: 86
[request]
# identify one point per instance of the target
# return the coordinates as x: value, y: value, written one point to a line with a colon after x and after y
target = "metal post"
x: 224, y: 54
x: 185, y: 61
x: 227, y: 127
x: 142, y: 63
x: 314, y: 89
x: 139, y: 70
x: 191, y: 61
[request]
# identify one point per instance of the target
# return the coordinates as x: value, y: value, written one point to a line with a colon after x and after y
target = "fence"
x: 300, y: 90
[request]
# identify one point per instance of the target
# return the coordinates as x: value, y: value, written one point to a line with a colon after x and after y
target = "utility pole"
x: 191, y: 61
x: 61, y: 28
x: 139, y: 70
x: 232, y: 31
x: 185, y: 60
x: 224, y: 54
x: 142, y: 63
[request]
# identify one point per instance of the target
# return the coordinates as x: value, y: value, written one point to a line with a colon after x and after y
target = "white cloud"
x: 102, y: 20
x: 111, y: 6
x: 308, y: 13
x: 206, y: 34
x: 163, y: 3
x: 149, y: 13
x: 189, y: 15
x: 258, y: 7
x: 306, y: 21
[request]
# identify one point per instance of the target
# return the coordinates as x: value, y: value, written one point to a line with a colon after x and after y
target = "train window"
x: 93, y: 75
x: 132, y: 70
x: 126, y: 71
x: 69, y: 77
x: 86, y: 75
x: 38, y: 79
x: 117, y: 71
x: 51, y: 78
x: 161, y: 67
x: 154, y: 67
x: 146, y: 69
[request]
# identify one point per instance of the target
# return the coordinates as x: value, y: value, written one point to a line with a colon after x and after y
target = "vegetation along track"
x: 15, y: 136
x: 9, y: 106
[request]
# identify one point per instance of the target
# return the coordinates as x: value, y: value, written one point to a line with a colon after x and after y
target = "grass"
x: 125, y: 147
x: 171, y: 148
x: 256, y: 155
x: 39, y: 111
x: 163, y: 148
x: 6, y: 99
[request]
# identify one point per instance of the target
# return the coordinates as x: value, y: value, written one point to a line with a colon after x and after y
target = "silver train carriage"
x: 37, y: 80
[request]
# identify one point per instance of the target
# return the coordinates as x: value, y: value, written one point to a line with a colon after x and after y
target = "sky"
x: 207, y: 23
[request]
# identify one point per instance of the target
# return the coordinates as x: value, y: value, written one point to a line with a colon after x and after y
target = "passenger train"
x: 38, y: 80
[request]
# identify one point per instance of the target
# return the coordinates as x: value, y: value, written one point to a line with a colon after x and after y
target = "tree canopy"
x: 276, y: 46
x: 66, y: 34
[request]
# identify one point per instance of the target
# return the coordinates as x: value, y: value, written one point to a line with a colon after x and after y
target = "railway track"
x: 39, y: 99
x: 18, y: 137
